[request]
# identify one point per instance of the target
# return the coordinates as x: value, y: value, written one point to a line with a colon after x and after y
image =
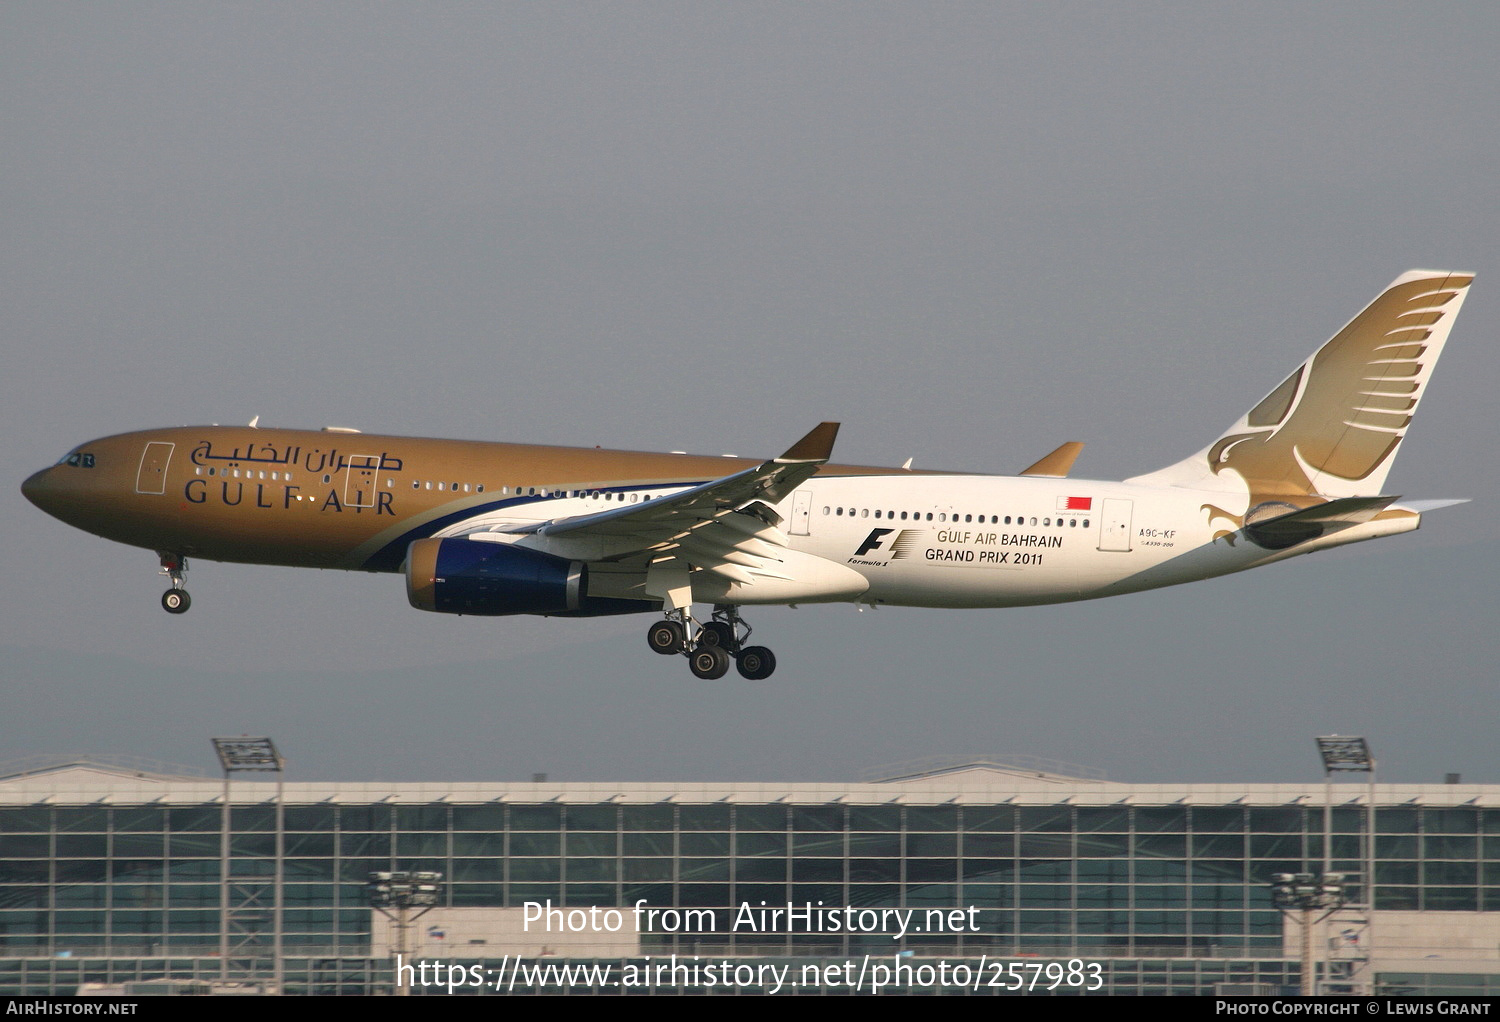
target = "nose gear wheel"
x: 175, y: 600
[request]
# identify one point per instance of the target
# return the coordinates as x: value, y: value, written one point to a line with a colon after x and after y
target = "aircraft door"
x: 359, y: 480
x: 151, y: 477
x: 1114, y: 525
x: 801, y: 512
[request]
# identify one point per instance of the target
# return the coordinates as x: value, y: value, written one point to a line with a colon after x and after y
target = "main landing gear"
x: 175, y: 600
x: 713, y: 644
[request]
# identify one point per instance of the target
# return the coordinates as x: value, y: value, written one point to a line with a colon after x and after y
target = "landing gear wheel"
x: 709, y: 662
x: 667, y: 637
x: 176, y: 601
x: 718, y: 633
x: 756, y: 662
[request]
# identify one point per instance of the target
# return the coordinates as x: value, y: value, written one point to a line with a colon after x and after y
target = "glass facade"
x: 140, y: 881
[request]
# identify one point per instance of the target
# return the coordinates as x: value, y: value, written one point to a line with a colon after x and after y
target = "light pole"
x: 1351, y: 754
x: 1306, y: 893
x: 394, y: 894
x: 242, y: 918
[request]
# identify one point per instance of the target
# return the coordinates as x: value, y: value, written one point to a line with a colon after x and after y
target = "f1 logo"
x: 872, y: 541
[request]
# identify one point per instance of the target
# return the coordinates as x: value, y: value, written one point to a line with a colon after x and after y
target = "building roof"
x: 82, y: 781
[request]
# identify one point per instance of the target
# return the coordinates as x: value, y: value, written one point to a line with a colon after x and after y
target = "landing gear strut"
x: 711, y: 645
x: 175, y: 600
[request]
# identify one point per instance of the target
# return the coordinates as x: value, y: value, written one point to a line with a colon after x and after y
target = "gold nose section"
x: 40, y: 488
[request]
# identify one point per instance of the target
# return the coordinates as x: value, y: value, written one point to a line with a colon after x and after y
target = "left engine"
x: 463, y: 576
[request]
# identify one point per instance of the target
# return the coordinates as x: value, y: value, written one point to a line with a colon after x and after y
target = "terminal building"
x: 120, y: 875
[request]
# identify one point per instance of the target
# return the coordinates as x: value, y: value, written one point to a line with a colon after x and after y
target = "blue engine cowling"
x: 465, y: 576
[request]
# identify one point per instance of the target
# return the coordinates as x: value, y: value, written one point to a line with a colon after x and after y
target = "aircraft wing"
x: 725, y: 526
x: 658, y: 520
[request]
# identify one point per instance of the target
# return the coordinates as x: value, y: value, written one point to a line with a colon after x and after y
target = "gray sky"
x: 967, y: 231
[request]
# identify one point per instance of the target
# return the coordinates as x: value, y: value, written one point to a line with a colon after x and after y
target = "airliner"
x: 495, y: 529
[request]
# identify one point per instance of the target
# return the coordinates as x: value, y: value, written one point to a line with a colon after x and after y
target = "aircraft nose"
x: 39, y: 488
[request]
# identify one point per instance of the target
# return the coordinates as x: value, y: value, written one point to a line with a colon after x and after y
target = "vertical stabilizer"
x: 1333, y: 427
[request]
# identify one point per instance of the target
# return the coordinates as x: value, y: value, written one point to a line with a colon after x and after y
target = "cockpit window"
x: 78, y: 459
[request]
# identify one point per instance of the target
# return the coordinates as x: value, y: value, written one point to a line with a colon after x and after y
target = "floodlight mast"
x: 399, y: 892
x: 239, y: 755
x: 1306, y: 893
x: 1351, y: 754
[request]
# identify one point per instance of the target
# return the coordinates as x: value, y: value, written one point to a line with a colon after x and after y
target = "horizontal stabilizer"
x: 1295, y: 527
x: 1421, y: 506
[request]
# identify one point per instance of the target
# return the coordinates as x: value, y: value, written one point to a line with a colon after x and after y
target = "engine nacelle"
x: 464, y: 576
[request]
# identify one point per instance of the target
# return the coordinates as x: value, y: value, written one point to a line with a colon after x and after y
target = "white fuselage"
x: 989, y: 541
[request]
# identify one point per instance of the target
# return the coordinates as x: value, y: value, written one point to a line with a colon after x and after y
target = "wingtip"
x: 815, y: 446
x: 1058, y: 464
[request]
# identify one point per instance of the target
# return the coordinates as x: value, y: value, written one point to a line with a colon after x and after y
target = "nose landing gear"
x: 175, y: 600
x: 713, y: 644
